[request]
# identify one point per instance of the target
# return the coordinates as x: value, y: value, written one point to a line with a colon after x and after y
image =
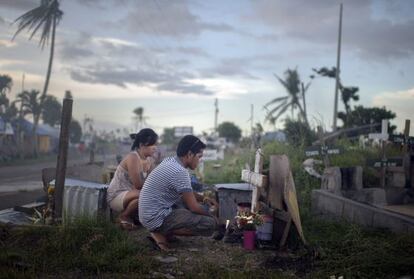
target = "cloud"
x: 236, y: 67
x: 74, y: 53
x: 159, y: 78
x: 171, y: 19
x: 372, y: 37
x: 7, y: 43
x: 23, y: 5
x: 395, y: 97
x: 400, y: 102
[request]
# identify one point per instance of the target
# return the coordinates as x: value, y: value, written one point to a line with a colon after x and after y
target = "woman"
x: 124, y: 189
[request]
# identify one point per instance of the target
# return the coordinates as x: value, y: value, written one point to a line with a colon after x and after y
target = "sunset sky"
x: 173, y: 58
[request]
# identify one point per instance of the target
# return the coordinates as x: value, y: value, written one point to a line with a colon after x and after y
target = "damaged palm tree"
x: 44, y: 19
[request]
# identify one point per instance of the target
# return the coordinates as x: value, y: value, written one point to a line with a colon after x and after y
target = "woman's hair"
x: 145, y: 137
x: 189, y: 143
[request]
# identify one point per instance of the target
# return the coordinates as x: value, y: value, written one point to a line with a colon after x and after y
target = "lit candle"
x: 227, y: 223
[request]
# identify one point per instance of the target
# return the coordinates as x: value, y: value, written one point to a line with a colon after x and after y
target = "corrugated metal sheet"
x: 84, y: 199
x: 229, y: 195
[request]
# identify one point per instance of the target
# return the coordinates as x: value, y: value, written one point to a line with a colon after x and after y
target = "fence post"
x: 62, y: 156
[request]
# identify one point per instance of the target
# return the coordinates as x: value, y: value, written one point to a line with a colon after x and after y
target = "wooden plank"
x: 285, y: 233
x: 289, y: 197
x: 278, y: 169
x: 256, y: 179
x: 282, y: 215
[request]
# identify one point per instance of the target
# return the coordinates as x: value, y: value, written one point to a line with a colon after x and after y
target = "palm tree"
x: 296, y: 90
x: 139, y: 117
x: 5, y: 87
x: 45, y: 17
x: 32, y: 103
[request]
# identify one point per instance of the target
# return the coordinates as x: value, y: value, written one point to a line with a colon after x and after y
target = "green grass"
x: 85, y: 247
x: 88, y: 248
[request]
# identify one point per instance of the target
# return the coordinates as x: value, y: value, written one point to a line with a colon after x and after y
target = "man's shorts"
x: 182, y: 218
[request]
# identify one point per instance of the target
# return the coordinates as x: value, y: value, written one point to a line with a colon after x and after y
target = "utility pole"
x: 23, y: 76
x: 216, y: 116
x: 251, y: 119
x: 338, y: 62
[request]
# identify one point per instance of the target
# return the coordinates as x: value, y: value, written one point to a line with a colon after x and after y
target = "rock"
x: 193, y: 249
x: 167, y: 259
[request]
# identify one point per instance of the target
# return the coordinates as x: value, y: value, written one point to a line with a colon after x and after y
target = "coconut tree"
x: 295, y: 93
x: 43, y: 18
x: 139, y: 117
x: 6, y: 84
x: 32, y: 103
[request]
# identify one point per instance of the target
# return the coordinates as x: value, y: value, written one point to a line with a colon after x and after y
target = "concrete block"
x: 395, y: 195
x: 397, y: 179
x: 389, y: 221
x: 362, y: 214
x: 351, y: 178
x: 374, y: 196
x: 323, y: 203
x: 229, y: 196
x: 331, y: 180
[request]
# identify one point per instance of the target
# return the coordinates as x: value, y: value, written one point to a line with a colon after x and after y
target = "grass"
x: 89, y: 248
x: 85, y: 247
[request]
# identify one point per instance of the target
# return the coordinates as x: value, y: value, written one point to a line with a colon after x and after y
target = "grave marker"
x: 255, y: 178
x: 322, y: 150
x: 382, y: 137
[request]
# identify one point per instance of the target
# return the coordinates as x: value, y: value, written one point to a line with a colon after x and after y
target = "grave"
x: 390, y: 205
x: 274, y: 195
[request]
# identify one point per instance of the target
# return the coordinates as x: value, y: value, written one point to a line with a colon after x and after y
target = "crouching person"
x: 168, y: 184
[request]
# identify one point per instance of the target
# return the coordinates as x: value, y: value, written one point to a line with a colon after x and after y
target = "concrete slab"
x: 326, y: 203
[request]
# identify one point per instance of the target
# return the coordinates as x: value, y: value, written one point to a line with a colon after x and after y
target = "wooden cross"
x: 255, y: 178
x: 322, y: 149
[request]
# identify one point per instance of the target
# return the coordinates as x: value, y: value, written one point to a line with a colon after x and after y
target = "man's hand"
x: 211, y: 202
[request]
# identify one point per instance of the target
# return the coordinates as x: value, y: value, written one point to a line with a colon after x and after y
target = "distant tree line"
x: 297, y: 128
x: 29, y: 103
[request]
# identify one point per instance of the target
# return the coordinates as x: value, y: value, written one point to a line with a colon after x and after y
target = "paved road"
x: 23, y: 184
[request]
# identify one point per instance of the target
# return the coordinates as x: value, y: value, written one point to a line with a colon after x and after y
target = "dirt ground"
x: 189, y: 253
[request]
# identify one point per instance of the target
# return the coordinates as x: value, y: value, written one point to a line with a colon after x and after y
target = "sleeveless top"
x: 121, y: 182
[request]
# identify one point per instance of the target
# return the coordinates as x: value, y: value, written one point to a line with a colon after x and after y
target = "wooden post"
x: 62, y: 156
x: 323, y: 148
x: 384, y: 131
x: 382, y: 138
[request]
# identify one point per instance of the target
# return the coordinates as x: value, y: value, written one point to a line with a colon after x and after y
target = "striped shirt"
x: 162, y: 189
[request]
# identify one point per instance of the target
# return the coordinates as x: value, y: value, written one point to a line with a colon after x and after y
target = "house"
x: 47, y: 136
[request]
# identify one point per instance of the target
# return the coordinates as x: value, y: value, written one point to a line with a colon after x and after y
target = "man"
x: 168, y: 184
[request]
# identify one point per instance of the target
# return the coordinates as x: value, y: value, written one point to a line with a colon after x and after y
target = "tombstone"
x: 229, y: 196
x: 278, y: 198
x: 351, y: 178
x: 382, y: 137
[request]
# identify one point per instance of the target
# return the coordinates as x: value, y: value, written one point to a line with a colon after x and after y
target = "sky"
x: 174, y: 58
